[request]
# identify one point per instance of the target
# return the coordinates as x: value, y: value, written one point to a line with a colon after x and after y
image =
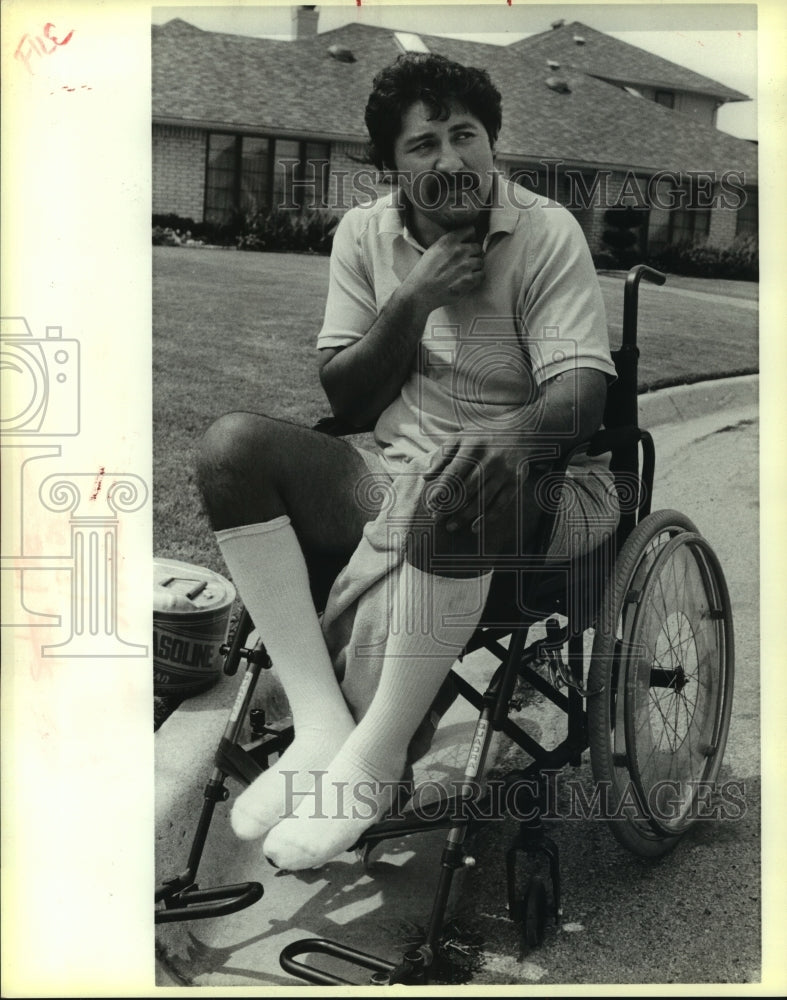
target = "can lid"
x: 179, y: 586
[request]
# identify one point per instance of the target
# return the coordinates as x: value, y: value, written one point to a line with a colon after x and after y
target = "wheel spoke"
x: 668, y: 715
x: 672, y: 696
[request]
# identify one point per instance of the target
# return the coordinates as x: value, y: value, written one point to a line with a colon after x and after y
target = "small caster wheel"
x: 533, y: 912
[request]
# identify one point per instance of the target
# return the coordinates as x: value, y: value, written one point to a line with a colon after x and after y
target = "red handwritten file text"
x: 39, y: 45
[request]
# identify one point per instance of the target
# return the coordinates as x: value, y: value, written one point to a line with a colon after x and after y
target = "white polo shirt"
x: 538, y: 313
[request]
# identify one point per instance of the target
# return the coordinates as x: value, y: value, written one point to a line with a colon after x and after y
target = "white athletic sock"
x: 268, y: 568
x: 360, y: 784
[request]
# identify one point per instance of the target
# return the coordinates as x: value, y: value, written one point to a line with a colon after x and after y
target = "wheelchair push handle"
x: 630, y: 294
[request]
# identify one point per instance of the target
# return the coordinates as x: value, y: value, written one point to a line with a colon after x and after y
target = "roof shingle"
x: 297, y: 88
x: 612, y: 59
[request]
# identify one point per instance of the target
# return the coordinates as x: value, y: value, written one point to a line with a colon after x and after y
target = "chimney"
x: 304, y: 20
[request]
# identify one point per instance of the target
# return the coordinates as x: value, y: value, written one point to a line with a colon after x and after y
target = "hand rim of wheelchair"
x: 689, y: 680
x: 617, y: 759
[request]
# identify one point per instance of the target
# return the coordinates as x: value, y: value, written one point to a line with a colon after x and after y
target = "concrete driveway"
x: 692, y: 917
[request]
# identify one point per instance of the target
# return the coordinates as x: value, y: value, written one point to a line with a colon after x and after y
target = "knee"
x: 225, y: 443
x: 230, y: 448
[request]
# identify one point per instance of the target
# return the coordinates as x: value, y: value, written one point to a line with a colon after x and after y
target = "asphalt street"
x: 694, y: 915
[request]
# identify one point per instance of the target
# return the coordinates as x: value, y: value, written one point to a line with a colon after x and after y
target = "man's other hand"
x: 477, y: 478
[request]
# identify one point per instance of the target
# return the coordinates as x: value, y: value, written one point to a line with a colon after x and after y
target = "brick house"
x: 242, y: 124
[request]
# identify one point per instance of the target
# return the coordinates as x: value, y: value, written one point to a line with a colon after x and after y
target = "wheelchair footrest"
x: 381, y: 970
x: 192, y: 903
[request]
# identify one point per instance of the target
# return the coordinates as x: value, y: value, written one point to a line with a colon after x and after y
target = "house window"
x: 285, y: 171
x: 746, y: 223
x: 665, y: 97
x: 255, y: 173
x: 246, y: 173
x: 689, y: 225
x: 220, y: 186
x: 689, y: 220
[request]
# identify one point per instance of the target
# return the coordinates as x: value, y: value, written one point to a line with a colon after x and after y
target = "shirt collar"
x: 502, y: 216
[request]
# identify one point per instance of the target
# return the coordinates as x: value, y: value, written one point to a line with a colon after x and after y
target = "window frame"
x: 691, y: 221
x: 751, y: 223
x: 299, y: 173
x: 668, y: 94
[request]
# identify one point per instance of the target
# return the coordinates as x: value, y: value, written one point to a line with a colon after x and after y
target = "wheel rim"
x: 625, y: 806
x: 676, y: 683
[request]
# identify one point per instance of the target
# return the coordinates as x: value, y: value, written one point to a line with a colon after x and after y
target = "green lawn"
x: 234, y: 331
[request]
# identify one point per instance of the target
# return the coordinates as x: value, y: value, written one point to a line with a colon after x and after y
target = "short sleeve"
x: 351, y: 308
x: 564, y: 318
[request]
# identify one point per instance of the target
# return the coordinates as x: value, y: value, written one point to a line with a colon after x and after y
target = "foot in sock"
x: 277, y: 791
x: 345, y: 801
x: 360, y: 785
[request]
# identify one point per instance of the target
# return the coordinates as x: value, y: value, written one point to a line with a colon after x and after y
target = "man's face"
x: 445, y: 167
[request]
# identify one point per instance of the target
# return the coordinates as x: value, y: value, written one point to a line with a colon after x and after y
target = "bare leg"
x: 254, y: 468
x: 278, y: 495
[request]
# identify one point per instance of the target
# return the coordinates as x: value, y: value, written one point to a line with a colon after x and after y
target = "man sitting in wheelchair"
x: 464, y: 321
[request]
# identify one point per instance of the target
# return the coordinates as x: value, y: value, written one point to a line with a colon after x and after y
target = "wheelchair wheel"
x: 679, y: 682
x: 660, y: 682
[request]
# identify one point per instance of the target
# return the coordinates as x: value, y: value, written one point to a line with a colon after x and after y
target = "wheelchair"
x: 651, y: 700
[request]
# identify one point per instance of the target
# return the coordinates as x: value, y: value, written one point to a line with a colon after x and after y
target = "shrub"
x: 169, y: 220
x: 621, y: 238
x: 605, y: 261
x: 221, y: 234
x: 164, y: 236
x: 738, y: 261
x: 278, y: 231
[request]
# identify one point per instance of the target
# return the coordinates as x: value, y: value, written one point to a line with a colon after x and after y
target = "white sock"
x: 268, y: 568
x: 419, y: 653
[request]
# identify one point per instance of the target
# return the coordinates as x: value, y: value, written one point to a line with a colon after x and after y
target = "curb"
x: 677, y: 404
x: 185, y: 745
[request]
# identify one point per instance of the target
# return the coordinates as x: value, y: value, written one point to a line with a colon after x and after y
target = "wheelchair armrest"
x: 335, y: 427
x: 608, y: 439
x: 622, y: 440
x: 603, y: 441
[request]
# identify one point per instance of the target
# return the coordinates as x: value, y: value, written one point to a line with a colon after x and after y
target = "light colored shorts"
x: 587, y: 503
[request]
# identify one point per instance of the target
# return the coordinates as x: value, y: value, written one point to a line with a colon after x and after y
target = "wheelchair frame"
x: 602, y: 716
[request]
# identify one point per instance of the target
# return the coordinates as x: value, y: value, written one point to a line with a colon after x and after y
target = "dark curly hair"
x: 437, y: 82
